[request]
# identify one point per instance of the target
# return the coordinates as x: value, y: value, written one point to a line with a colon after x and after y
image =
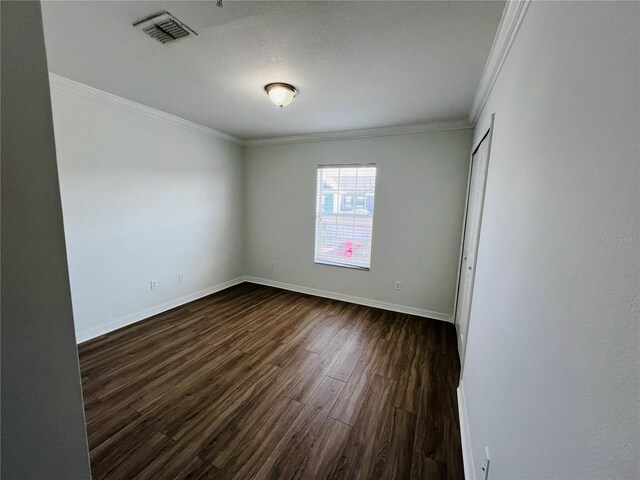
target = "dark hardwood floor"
x: 256, y: 382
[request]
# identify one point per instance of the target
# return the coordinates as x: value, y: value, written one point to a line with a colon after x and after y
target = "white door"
x: 477, y: 182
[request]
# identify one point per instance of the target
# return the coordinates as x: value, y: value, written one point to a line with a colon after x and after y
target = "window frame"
x: 318, y: 212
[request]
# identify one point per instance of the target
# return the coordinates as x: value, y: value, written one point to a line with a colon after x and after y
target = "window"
x: 344, y: 215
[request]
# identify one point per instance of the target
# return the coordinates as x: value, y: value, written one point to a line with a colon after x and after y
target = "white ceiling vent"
x: 165, y: 28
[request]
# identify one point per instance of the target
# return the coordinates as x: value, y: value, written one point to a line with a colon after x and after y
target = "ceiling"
x: 356, y: 64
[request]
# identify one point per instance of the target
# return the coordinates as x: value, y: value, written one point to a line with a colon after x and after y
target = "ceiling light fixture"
x: 281, y: 94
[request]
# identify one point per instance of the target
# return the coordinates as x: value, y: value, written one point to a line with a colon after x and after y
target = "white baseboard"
x: 107, y: 327
x: 465, y: 436
x: 352, y: 299
x: 96, y: 331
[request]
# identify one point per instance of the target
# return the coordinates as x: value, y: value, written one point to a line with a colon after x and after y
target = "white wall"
x: 420, y: 191
x: 143, y: 199
x: 551, y: 378
x: 43, y: 432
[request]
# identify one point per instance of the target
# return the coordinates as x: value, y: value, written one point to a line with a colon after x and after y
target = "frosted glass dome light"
x: 281, y: 94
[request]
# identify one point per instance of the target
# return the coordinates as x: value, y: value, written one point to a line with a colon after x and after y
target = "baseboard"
x: 465, y: 436
x: 96, y: 331
x: 352, y: 299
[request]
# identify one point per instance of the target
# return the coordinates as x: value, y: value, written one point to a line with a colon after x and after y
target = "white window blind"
x: 344, y: 215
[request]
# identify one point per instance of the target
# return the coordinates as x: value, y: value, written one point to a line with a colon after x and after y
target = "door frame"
x: 488, y: 135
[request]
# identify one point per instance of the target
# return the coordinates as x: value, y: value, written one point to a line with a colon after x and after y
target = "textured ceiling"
x: 356, y: 64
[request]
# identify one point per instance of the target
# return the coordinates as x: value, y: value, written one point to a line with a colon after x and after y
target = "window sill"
x: 342, y: 265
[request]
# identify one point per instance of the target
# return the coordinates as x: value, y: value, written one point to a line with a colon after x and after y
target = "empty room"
x: 320, y: 240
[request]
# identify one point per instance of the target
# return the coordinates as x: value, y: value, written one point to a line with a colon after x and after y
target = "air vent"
x: 165, y: 28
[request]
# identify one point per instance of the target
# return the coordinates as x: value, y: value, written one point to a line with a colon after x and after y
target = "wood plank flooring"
x: 257, y: 382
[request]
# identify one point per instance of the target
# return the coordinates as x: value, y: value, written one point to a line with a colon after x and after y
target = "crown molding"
x: 510, y: 22
x: 365, y: 133
x: 68, y: 85
x: 62, y: 83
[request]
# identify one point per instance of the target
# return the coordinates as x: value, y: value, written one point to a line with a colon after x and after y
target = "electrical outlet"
x: 181, y: 277
x: 273, y: 265
x: 397, y: 286
x: 485, y: 465
x: 154, y: 284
